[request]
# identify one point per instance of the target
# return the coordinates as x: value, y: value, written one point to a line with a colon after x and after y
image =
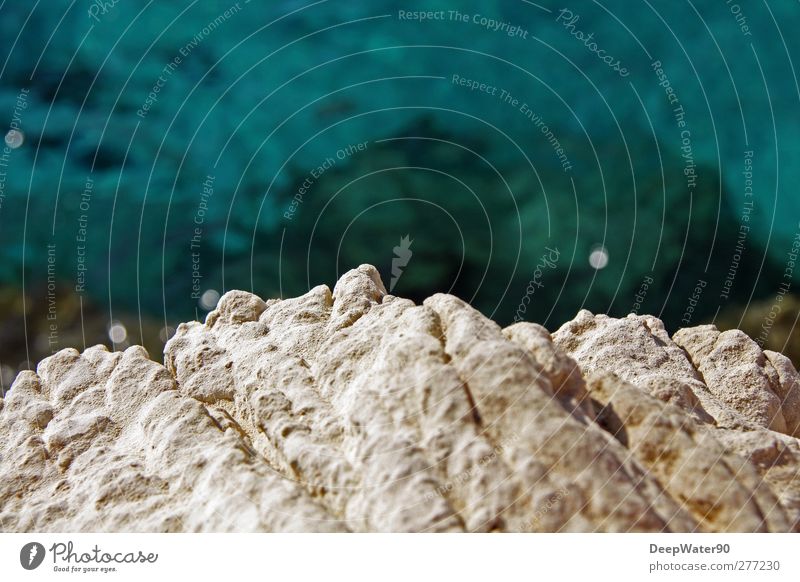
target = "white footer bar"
x: 388, y: 557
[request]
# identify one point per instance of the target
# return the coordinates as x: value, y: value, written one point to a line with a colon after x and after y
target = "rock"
x: 743, y: 377
x: 787, y: 388
x: 687, y: 461
x: 639, y: 350
x: 355, y: 410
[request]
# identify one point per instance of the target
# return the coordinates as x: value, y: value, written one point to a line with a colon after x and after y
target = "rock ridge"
x: 356, y: 410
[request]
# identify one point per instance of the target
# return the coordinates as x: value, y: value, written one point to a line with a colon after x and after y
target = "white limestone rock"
x: 354, y: 410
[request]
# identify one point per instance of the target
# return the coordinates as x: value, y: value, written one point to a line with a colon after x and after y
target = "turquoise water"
x: 169, y: 152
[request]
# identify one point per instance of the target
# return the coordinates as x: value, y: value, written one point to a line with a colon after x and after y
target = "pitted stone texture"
x: 688, y: 462
x: 787, y: 388
x: 638, y: 349
x: 105, y: 442
x: 741, y: 375
x: 562, y: 371
x: 354, y: 410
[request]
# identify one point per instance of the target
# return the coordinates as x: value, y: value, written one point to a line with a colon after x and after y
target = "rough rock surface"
x: 355, y: 410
